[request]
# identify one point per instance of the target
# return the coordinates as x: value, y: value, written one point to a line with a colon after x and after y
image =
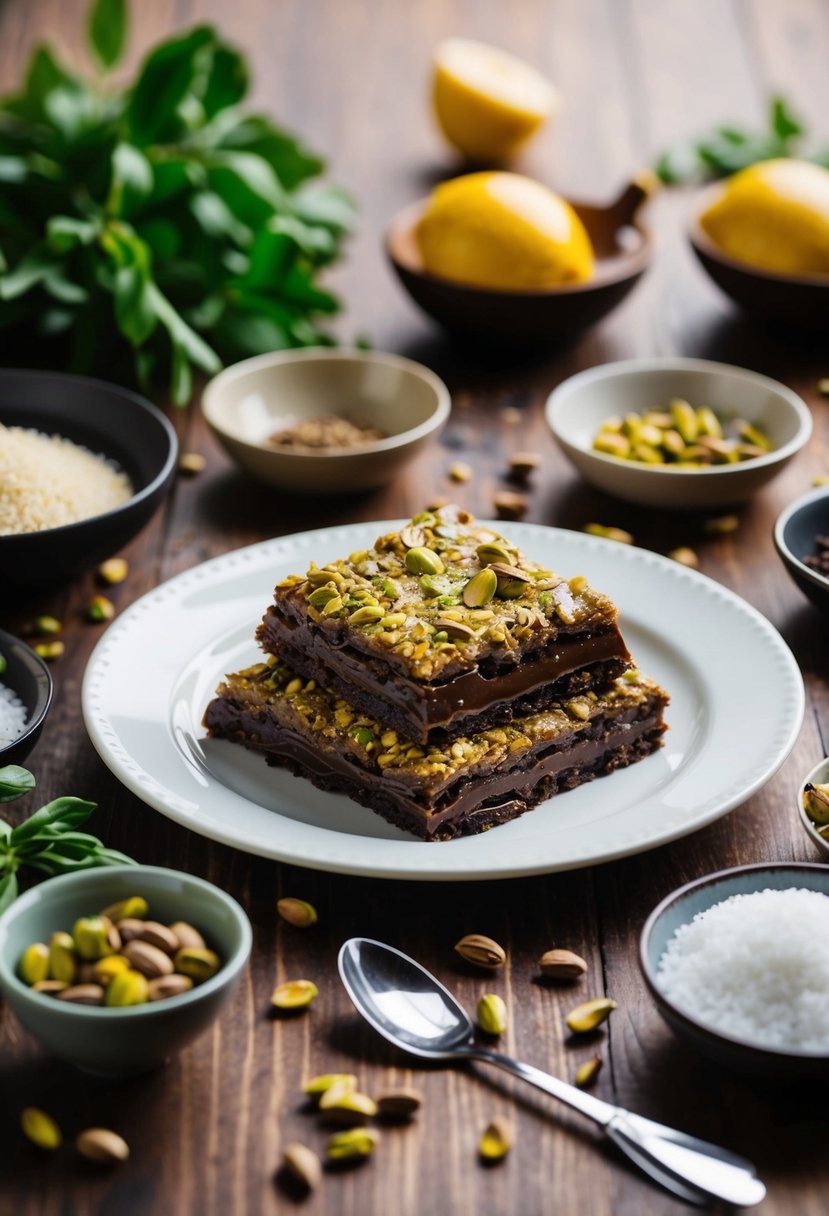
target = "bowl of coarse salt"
x: 738, y: 965
x: 83, y: 466
x: 25, y: 697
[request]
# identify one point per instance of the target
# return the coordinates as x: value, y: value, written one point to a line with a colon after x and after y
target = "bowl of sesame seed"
x: 25, y: 697
x: 83, y: 466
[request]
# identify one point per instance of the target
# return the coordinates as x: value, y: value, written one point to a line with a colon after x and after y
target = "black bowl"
x: 103, y: 418
x: 28, y: 676
x: 794, y: 538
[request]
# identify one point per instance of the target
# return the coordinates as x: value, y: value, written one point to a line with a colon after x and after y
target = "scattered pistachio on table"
x: 294, y: 994
x: 191, y: 463
x: 509, y: 505
x: 119, y: 960
x: 609, y: 533
x: 352, y: 1145
x: 49, y: 651
x: 399, y: 1105
x: 685, y: 557
x: 40, y: 1128
x: 590, y: 1015
x: 102, y: 1146
x: 523, y: 464
x: 347, y: 1106
x: 587, y: 1072
x: 460, y: 472
x: 325, y: 1081
x: 46, y: 626
x: 491, y: 1013
x: 822, y: 386
x: 497, y: 1140
x: 100, y: 609
x: 113, y: 570
x: 297, y: 912
x: 482, y: 951
x: 302, y: 1164
x: 562, y: 965
x: 721, y: 525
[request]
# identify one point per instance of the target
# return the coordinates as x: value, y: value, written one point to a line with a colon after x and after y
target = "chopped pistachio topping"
x: 442, y: 593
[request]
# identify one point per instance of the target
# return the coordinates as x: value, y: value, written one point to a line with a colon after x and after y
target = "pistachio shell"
x: 482, y: 951
x: 297, y: 912
x: 302, y: 1164
x: 101, y: 1145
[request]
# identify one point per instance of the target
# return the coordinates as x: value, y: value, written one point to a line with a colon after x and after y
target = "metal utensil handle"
x: 691, y: 1168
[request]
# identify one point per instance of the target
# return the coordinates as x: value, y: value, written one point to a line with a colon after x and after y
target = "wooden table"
x: 206, y: 1132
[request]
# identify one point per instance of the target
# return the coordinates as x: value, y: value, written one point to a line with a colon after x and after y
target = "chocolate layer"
x: 498, y: 689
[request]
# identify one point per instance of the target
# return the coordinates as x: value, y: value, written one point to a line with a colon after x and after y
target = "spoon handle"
x: 691, y: 1168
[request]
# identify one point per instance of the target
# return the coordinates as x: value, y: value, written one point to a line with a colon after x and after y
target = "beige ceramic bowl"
x: 577, y: 408
x: 249, y: 401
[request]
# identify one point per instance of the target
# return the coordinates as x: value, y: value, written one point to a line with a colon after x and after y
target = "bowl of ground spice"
x: 738, y: 965
x: 25, y: 697
x: 322, y: 421
x: 83, y: 466
x: 801, y: 537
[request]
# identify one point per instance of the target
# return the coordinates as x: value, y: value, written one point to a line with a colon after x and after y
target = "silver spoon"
x: 407, y: 1006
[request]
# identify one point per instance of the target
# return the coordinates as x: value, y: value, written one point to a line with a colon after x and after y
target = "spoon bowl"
x: 411, y: 1009
x: 623, y: 250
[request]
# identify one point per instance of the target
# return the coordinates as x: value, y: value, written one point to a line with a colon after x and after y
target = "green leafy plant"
x: 727, y: 149
x: 155, y: 228
x: 47, y: 840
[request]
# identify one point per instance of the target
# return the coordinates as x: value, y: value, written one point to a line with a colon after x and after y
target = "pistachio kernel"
x: 297, y: 912
x: 113, y: 571
x: 491, y: 552
x: 125, y: 989
x: 49, y: 987
x: 480, y: 588
x: 294, y: 994
x: 460, y: 472
x: 326, y: 1080
x: 723, y: 525
x: 49, y: 651
x: 105, y: 970
x: 685, y: 557
x: 47, y: 626
x: 321, y: 596
x: 421, y: 560
x: 481, y: 950
x: 491, y: 1013
x: 587, y: 1072
x: 191, y: 463
x: 509, y: 506
x: 133, y: 907
x: 199, y: 965
x: 349, y: 1107
x: 562, y: 965
x: 302, y: 1164
x: 590, y: 1015
x: 353, y: 1144
x: 497, y: 1140
x: 609, y: 533
x: 430, y: 587
x: 102, y: 1146
x: 523, y: 464
x: 40, y: 1128
x: 34, y: 963
x: 366, y: 616
x: 100, y: 609
x: 816, y: 802
x: 452, y: 629
x: 92, y: 937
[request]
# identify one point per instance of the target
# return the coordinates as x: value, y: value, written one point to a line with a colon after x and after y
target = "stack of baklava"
x: 442, y: 678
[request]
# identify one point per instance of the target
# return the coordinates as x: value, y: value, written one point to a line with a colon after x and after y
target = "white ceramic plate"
x: 736, y: 707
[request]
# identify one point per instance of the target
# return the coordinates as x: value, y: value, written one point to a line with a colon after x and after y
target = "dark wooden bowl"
x: 801, y: 300
x: 623, y: 250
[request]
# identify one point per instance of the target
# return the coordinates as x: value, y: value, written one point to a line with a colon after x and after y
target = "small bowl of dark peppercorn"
x: 801, y: 537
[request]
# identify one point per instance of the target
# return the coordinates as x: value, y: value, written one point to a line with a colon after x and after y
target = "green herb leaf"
x: 107, y: 30
x: 166, y: 76
x: 227, y: 81
x: 8, y: 891
x: 784, y: 122
x: 15, y: 782
x: 68, y: 810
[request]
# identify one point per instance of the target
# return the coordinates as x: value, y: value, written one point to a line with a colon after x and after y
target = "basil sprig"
x: 47, y: 840
x: 158, y: 227
x: 727, y: 149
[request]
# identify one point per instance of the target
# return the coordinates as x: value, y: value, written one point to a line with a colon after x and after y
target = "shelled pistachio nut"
x: 482, y: 951
x: 125, y: 989
x: 353, y: 1144
x: 199, y: 965
x: 101, y: 1145
x: 105, y: 970
x: 95, y: 937
x: 294, y: 994
x: 424, y: 561
x: 325, y: 1081
x: 481, y: 588
x: 349, y: 1108
x: 113, y: 571
x: 491, y: 1013
x: 40, y: 1128
x: 302, y: 1164
x: 133, y: 907
x: 587, y: 1072
x: 297, y: 912
x: 497, y: 1140
x: 34, y: 963
x: 590, y: 1015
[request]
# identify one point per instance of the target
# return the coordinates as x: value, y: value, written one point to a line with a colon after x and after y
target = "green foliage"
x: 727, y: 149
x: 47, y: 840
x: 157, y: 228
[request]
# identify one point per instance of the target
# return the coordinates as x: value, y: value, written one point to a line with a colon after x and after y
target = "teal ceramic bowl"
x: 122, y: 1042
x: 679, y: 908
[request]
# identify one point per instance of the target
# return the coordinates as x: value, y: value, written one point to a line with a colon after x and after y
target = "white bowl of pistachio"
x: 115, y: 969
x: 677, y: 433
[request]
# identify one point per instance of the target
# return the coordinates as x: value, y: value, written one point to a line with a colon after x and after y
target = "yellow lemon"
x: 487, y: 102
x: 505, y: 232
x: 774, y: 216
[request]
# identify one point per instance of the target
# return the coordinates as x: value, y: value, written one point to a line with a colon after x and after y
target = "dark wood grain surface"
x: 206, y: 1131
